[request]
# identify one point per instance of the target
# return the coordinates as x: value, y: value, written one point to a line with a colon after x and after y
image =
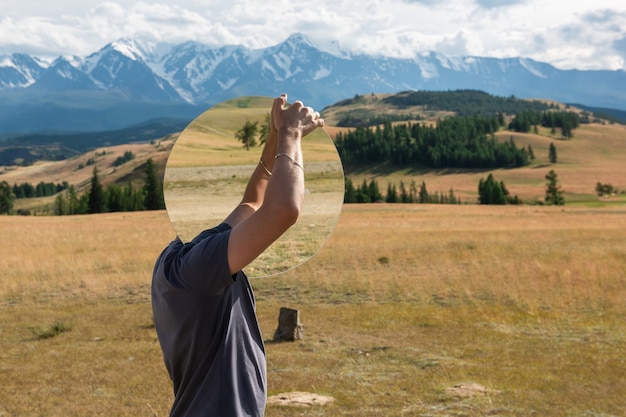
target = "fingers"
x: 311, y: 119
x: 278, y: 104
x: 297, y: 113
x: 277, y: 109
x: 315, y: 117
x: 318, y: 119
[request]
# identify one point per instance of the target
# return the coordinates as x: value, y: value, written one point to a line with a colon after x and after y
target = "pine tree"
x: 96, y: 198
x: 61, y: 205
x: 349, y: 195
x: 413, y: 192
x: 451, y: 197
x: 114, y: 198
x: 491, y: 192
x: 423, y: 195
x: 554, y: 194
x: 501, y: 120
x: 133, y: 200
x: 74, y: 203
x: 552, y: 153
x: 374, y: 192
x: 153, y: 190
x: 6, y: 198
x: 392, y: 194
x: 404, y: 194
x: 362, y: 196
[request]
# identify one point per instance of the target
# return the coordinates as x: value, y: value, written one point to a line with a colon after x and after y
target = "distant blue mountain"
x: 128, y: 81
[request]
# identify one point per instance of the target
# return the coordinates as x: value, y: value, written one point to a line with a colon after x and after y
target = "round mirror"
x: 208, y: 169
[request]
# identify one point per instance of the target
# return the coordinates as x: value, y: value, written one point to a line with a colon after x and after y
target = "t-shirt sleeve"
x: 202, y: 265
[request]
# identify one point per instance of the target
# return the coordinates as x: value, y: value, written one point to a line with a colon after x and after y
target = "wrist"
x: 289, y: 132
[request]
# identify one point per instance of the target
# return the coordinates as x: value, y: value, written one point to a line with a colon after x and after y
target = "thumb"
x: 277, y: 107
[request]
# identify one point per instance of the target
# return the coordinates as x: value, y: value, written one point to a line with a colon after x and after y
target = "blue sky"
x: 568, y: 34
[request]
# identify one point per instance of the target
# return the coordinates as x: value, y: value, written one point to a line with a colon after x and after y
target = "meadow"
x: 408, y: 309
x: 404, y: 305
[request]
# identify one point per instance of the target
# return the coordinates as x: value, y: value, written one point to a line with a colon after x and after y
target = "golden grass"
x: 86, y: 255
x: 401, y: 304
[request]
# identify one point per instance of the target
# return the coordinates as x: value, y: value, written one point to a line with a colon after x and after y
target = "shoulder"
x: 200, y: 265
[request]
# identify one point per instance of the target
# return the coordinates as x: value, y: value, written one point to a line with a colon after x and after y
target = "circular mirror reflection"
x: 208, y: 169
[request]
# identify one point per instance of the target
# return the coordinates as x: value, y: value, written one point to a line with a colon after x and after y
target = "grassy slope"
x: 70, y: 169
x: 597, y: 153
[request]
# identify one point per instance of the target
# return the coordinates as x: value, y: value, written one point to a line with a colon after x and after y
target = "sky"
x: 569, y: 34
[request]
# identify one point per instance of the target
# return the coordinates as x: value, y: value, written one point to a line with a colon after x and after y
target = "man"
x: 203, y: 304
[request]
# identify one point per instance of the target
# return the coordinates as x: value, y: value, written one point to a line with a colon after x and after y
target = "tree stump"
x: 289, y: 326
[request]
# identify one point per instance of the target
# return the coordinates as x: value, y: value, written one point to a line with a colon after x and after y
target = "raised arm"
x: 271, y: 203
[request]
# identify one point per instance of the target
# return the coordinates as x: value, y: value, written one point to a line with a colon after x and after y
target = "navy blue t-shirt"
x: 206, y: 323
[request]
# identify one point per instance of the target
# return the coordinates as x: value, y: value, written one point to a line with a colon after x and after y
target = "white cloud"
x: 567, y: 34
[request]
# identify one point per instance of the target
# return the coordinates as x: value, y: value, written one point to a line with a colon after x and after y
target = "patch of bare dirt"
x: 299, y: 399
x: 470, y: 389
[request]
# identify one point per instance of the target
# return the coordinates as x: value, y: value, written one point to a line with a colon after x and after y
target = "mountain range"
x: 130, y: 82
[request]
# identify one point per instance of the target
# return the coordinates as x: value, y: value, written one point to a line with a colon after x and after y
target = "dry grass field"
x: 408, y: 310
x: 401, y: 306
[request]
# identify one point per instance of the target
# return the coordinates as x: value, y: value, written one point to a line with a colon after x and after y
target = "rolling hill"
x: 596, y: 153
x: 78, y: 170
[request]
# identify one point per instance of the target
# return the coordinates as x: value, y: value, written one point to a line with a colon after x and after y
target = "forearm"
x: 276, y: 198
x: 272, y: 203
x: 285, y: 190
x: 255, y: 189
x: 254, y: 193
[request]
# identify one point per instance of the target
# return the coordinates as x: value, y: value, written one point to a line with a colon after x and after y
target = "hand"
x: 303, y: 119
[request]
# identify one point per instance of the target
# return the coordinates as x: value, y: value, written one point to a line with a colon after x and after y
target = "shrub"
x: 53, y: 330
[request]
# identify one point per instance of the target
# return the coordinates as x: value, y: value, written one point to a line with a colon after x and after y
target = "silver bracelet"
x: 269, y: 174
x: 293, y: 161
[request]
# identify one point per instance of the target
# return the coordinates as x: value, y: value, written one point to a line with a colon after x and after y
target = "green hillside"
x: 382, y: 146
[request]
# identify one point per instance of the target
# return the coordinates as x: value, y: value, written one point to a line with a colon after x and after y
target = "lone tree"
x: 153, y: 189
x: 96, y: 200
x: 552, y: 153
x: 554, y: 194
x: 247, y: 134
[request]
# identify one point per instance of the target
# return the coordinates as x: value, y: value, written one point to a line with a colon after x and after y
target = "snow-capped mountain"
x: 180, y: 80
x: 19, y: 71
